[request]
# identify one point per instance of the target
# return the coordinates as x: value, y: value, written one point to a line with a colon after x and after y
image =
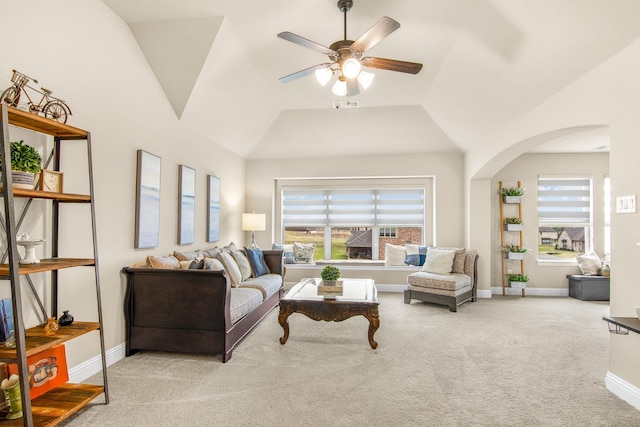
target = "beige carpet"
x: 497, y: 362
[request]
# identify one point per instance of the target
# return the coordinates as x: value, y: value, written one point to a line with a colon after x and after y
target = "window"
x: 388, y: 232
x: 352, y: 218
x: 564, y: 217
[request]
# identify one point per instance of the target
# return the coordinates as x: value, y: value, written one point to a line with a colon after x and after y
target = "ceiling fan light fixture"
x: 323, y: 75
x: 351, y: 68
x: 365, y: 79
x: 339, y: 88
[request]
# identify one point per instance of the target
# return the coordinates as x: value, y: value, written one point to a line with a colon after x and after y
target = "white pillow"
x: 394, y: 254
x: 589, y: 263
x: 439, y: 261
x: 231, y: 266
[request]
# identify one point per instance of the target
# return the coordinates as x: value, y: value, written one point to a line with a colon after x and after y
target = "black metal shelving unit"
x: 59, y: 403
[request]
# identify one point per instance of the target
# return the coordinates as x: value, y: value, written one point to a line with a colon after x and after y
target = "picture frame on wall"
x: 148, y: 177
x: 213, y: 212
x: 186, y: 205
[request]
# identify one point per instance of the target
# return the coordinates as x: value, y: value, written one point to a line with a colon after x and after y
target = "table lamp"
x: 253, y: 222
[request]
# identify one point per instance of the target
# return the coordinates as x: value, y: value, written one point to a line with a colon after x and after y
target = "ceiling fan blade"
x: 304, y: 72
x: 353, y: 88
x: 286, y: 35
x: 377, y: 32
x: 391, y: 65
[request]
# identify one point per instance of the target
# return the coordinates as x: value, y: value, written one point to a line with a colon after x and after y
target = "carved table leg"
x: 374, y: 324
x: 285, y: 312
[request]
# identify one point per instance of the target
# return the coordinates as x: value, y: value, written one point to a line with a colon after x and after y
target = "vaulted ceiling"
x: 486, y: 62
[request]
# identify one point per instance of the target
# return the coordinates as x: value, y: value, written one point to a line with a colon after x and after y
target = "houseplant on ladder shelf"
x: 25, y: 163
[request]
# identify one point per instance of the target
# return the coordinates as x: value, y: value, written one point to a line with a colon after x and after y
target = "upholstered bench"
x: 450, y: 289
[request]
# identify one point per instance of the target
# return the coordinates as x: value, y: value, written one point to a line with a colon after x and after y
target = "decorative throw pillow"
x: 168, y: 261
x: 212, y: 264
x: 210, y: 253
x: 394, y: 254
x: 243, y: 263
x: 439, y: 261
x: 184, y: 265
x: 458, y: 261
x: 304, y: 252
x: 258, y: 264
x: 416, y: 254
x: 287, y: 250
x: 186, y: 256
x: 589, y: 263
x: 231, y: 266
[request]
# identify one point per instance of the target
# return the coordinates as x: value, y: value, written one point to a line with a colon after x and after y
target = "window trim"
x: 426, y: 182
x: 589, y: 226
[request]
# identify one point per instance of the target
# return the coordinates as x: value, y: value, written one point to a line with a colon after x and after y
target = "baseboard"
x: 625, y: 391
x: 537, y: 292
x: 484, y: 293
x: 381, y: 287
x: 81, y: 372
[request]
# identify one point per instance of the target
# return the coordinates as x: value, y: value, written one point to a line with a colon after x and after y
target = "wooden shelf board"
x: 37, y: 194
x: 48, y: 264
x: 41, y: 124
x: 58, y: 404
x: 37, y: 341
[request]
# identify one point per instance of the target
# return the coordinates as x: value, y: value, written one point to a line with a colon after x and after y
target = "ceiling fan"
x: 346, y: 56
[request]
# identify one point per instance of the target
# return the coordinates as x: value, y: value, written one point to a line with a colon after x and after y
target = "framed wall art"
x: 213, y: 213
x: 147, y: 200
x: 187, y: 201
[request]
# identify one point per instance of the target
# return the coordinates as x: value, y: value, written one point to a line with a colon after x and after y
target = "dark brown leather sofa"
x: 188, y: 310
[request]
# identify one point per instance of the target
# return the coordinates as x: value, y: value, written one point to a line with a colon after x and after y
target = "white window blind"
x: 353, y: 207
x: 564, y: 201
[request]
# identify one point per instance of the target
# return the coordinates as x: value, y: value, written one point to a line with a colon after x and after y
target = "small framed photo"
x: 51, y: 181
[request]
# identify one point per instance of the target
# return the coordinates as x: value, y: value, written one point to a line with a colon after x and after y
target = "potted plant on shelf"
x: 513, y: 224
x: 330, y: 275
x: 25, y: 163
x: 511, y: 194
x: 518, y: 281
x: 514, y: 252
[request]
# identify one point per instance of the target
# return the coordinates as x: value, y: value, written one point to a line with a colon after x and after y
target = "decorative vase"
x: 22, y: 179
x: 11, y: 390
x: 66, y: 319
x: 512, y: 199
x: 51, y: 327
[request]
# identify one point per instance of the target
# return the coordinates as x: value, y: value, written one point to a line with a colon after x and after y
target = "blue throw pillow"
x: 289, y: 257
x: 419, y: 258
x: 257, y: 262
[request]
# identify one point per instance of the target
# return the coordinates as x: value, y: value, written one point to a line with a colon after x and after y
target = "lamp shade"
x: 253, y: 222
x: 365, y: 79
x: 339, y: 88
x: 323, y: 75
x: 351, y: 68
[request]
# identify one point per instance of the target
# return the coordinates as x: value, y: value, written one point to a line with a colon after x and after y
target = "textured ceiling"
x: 485, y: 64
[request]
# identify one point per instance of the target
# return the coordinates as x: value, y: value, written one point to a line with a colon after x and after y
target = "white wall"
x: 97, y: 67
x: 607, y: 95
x: 526, y: 169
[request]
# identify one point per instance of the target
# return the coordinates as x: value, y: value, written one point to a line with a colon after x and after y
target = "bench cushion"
x: 449, y: 282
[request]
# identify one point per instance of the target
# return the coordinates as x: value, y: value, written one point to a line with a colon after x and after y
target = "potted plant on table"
x: 330, y: 275
x: 25, y: 163
x: 514, y: 252
x: 513, y: 224
x: 511, y: 194
x: 518, y: 281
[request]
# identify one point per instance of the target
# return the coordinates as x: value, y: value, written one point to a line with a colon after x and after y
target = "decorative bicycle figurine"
x: 51, y: 107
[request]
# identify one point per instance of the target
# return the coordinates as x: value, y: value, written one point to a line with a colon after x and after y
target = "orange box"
x: 47, y: 370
